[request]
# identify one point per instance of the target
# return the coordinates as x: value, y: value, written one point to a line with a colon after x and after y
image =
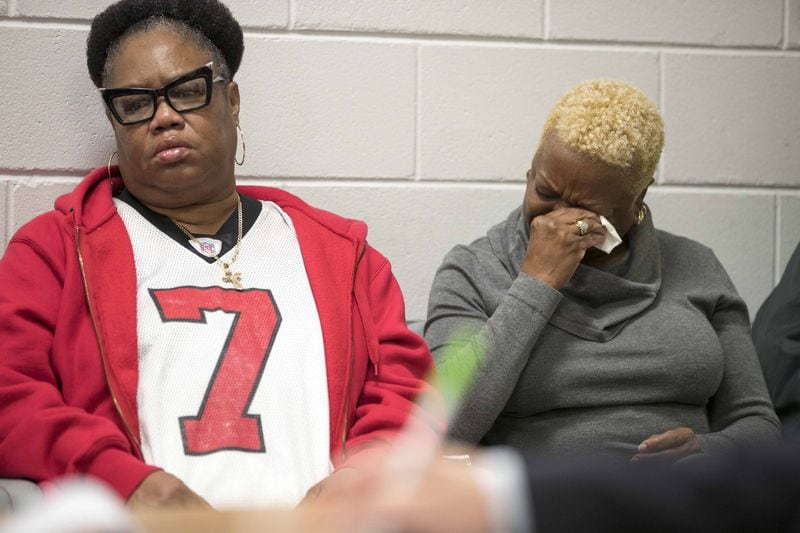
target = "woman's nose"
x: 165, y: 116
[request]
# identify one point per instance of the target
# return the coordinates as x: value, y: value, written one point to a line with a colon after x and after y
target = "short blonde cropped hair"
x: 611, y: 121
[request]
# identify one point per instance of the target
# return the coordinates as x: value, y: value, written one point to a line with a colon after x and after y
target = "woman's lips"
x: 172, y: 155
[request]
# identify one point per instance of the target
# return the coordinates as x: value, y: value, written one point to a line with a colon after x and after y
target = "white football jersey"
x: 232, y: 392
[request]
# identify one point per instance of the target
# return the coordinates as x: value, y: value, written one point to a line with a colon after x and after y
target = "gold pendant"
x: 234, y: 278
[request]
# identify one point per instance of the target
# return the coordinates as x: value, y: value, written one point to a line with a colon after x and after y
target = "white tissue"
x: 612, y: 237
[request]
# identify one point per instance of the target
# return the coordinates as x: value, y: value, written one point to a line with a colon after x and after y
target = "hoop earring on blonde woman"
x: 641, y: 214
x: 108, y: 166
x: 244, y: 146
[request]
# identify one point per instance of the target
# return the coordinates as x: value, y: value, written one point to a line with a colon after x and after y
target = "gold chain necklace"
x: 234, y: 278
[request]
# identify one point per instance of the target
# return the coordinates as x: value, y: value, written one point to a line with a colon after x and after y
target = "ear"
x: 234, y: 100
x: 640, y: 199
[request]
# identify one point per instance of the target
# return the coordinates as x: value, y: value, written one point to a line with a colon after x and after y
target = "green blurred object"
x: 456, y: 369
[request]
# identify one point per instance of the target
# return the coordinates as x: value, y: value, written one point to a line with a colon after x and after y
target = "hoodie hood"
x: 90, y: 202
x: 597, y: 304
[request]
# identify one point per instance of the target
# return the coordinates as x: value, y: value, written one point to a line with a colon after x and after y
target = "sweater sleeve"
x: 495, y: 346
x: 740, y: 413
x: 43, y: 436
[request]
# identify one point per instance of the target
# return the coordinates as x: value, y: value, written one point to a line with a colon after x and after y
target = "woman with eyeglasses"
x: 185, y: 340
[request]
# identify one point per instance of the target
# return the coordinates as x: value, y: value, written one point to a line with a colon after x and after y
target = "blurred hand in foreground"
x: 161, y: 490
x: 444, y: 497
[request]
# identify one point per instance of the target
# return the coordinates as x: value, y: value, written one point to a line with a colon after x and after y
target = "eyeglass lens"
x: 186, y: 96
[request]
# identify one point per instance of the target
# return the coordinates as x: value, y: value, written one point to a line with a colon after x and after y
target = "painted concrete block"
x: 37, y: 197
x: 793, y: 14
x: 739, y: 227
x: 731, y: 119
x: 710, y: 22
x: 414, y: 226
x: 328, y: 108
x: 53, y: 117
x: 249, y: 13
x: 85, y: 9
x: 510, y: 18
x: 788, y: 230
x: 260, y: 13
x: 483, y: 107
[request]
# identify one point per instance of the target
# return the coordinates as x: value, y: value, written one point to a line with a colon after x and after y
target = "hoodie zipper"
x: 99, y: 341
x: 361, y: 251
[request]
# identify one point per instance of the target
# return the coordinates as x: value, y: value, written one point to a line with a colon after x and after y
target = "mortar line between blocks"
x: 662, y: 107
x: 292, y: 14
x: 418, y: 114
x: 9, y: 219
x: 545, y: 19
x: 776, y: 249
x: 785, y: 32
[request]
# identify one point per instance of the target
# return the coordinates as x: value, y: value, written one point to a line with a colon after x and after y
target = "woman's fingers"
x: 573, y: 214
x: 568, y: 222
x: 668, y: 439
x: 558, y: 242
x: 670, y: 445
x: 670, y: 455
x: 577, y: 221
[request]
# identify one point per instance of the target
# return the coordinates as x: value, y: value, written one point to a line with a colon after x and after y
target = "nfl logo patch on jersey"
x: 207, y: 246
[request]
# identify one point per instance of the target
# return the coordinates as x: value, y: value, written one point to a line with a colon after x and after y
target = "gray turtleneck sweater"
x: 657, y: 341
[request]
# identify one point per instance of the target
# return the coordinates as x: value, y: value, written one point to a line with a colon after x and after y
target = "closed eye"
x: 546, y: 194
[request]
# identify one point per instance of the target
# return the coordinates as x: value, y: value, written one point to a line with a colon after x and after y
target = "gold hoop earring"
x: 108, y: 166
x: 244, y: 146
x: 641, y: 214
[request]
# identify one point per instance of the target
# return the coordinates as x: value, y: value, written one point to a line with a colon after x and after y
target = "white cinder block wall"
x: 421, y: 116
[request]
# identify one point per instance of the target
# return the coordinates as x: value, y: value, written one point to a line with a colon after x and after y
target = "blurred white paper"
x: 73, y: 506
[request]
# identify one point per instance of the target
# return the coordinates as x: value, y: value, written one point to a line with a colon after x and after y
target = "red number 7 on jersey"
x: 222, y: 423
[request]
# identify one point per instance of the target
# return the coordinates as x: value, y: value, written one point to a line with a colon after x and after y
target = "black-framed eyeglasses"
x: 189, y: 92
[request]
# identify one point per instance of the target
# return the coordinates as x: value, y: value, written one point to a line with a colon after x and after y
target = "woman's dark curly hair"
x: 209, y: 21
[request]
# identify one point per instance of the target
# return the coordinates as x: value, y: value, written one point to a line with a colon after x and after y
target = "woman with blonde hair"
x: 589, y: 329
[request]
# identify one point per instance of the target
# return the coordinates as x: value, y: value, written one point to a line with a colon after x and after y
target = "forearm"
x: 42, y: 443
x: 745, y: 432
x: 497, y: 347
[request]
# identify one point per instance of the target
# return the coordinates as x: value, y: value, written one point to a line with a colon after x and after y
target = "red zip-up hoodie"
x: 68, y: 347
